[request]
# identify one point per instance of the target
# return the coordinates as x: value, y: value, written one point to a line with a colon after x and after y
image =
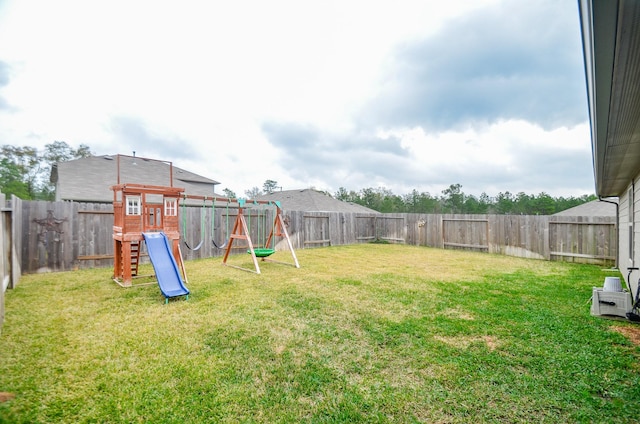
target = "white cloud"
x: 505, y: 156
x: 204, y: 78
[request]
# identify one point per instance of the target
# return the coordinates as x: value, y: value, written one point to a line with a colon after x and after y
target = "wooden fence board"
x: 391, y: 228
x: 294, y: 222
x: 94, y: 244
x: 316, y: 229
x: 365, y: 228
x: 585, y: 239
x: 465, y: 231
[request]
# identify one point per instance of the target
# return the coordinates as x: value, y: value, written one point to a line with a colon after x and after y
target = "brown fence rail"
x: 58, y: 236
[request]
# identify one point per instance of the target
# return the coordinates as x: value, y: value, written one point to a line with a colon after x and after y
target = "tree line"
x: 454, y: 200
x: 451, y: 200
x: 25, y: 172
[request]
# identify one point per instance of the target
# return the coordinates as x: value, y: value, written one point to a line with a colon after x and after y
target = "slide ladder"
x: 135, y: 257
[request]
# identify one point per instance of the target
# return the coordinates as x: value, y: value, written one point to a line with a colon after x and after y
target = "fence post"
x: 4, y: 275
x: 547, y: 239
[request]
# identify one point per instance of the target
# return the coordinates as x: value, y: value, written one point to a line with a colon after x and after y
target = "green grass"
x: 365, y: 333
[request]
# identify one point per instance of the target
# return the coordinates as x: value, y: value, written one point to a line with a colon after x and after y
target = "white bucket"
x: 612, y: 284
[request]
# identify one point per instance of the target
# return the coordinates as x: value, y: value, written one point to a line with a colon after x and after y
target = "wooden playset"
x: 140, y: 209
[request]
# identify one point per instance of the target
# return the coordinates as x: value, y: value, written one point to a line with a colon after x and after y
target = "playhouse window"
x: 133, y: 205
x: 170, y: 207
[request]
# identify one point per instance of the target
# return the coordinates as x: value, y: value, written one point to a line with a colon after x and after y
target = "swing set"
x: 202, y: 222
x: 149, y: 215
x: 243, y: 229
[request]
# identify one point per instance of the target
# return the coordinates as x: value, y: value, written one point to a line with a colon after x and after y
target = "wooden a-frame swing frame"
x: 241, y: 232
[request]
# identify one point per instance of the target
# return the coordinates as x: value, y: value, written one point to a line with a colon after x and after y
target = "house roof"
x: 89, y: 179
x: 593, y: 208
x: 312, y: 201
x: 611, y: 48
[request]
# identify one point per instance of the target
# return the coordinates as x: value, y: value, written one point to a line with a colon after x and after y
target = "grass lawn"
x: 362, y: 333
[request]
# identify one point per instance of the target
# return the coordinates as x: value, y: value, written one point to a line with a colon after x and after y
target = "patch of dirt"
x: 457, y: 313
x: 6, y: 396
x: 491, y: 342
x: 632, y: 333
x: 465, y: 342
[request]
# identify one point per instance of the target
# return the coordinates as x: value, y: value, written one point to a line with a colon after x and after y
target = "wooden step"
x: 135, y: 257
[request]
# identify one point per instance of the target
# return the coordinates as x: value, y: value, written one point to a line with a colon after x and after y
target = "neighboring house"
x: 89, y: 179
x: 593, y: 208
x: 611, y: 40
x: 311, y: 200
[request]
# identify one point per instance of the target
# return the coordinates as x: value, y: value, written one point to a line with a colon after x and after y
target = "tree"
x: 347, y: 196
x: 229, y: 193
x: 375, y: 198
x: 252, y: 193
x: 485, y: 202
x: 270, y: 186
x: 544, y: 204
x: 411, y: 201
x: 422, y: 203
x: 453, y: 198
x: 342, y: 194
x: 474, y: 206
x: 26, y: 164
x: 33, y: 168
x: 11, y: 180
x: 60, y: 151
x: 522, y: 204
x: 390, y: 202
x: 504, y: 203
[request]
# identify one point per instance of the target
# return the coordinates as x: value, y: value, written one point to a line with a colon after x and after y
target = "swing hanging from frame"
x: 184, y: 224
x: 213, y: 220
x: 261, y: 252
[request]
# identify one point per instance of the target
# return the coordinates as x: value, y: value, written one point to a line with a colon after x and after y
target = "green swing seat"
x: 262, y: 253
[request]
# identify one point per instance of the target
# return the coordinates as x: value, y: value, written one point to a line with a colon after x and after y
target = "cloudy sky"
x: 403, y: 94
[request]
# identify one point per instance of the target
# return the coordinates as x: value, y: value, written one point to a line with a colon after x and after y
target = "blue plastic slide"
x: 165, y: 266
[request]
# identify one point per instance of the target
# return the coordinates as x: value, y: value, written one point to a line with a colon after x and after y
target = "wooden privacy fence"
x: 576, y: 239
x: 57, y: 236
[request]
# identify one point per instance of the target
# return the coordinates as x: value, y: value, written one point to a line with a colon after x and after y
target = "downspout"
x: 632, y: 220
x: 617, y: 227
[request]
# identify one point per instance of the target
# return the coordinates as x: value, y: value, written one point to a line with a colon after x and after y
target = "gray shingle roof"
x: 89, y: 179
x: 593, y: 208
x: 312, y: 201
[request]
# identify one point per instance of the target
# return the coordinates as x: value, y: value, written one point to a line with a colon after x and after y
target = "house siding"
x: 630, y: 225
